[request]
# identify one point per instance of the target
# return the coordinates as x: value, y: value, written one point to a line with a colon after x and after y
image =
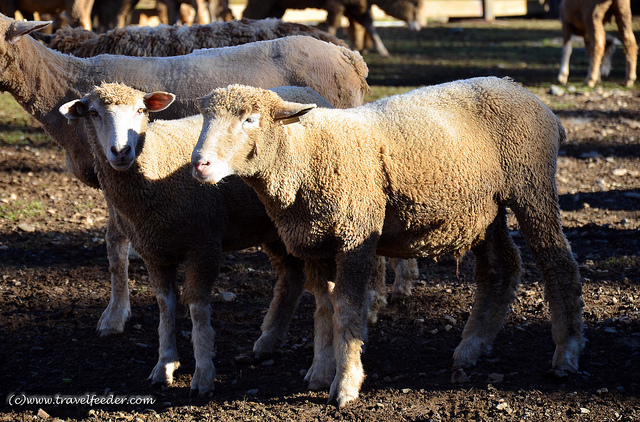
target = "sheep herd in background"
x: 329, y: 191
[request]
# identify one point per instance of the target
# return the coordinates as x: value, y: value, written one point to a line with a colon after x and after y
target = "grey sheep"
x: 163, y: 40
x: 421, y: 174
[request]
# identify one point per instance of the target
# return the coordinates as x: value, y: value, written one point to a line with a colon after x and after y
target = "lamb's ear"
x: 158, y: 101
x: 20, y: 28
x: 74, y: 110
x: 287, y: 113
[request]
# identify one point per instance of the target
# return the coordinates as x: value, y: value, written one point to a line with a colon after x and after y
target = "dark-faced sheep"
x: 421, y: 174
x: 586, y: 18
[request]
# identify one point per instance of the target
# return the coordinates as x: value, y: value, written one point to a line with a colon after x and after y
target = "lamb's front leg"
x: 163, y: 285
x: 119, y: 308
x: 323, y: 367
x: 203, y: 338
x: 202, y: 270
x: 355, y: 269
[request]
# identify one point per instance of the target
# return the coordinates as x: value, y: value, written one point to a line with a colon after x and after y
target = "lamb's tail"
x: 561, y: 132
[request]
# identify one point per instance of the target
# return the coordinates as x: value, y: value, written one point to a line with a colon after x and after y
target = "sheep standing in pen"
x: 420, y: 174
x: 586, y: 18
x: 337, y: 73
x: 145, y: 173
x: 163, y: 40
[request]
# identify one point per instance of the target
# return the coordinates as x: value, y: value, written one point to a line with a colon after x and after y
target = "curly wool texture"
x: 434, y: 164
x: 420, y: 174
x: 176, y: 40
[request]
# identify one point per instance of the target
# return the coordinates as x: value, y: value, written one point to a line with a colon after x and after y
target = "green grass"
x: 19, y: 210
x: 17, y: 127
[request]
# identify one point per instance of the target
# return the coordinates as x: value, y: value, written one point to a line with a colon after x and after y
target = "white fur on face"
x: 211, y: 158
x: 119, y: 128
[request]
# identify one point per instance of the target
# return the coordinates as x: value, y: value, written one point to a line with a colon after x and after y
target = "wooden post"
x: 487, y: 7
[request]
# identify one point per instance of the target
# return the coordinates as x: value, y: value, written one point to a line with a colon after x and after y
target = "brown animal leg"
x: 595, y: 27
x: 623, y: 20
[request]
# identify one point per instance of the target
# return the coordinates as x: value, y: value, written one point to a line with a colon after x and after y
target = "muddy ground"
x: 55, y: 279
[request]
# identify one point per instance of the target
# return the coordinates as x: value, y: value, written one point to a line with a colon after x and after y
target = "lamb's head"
x: 239, y: 131
x: 115, y: 117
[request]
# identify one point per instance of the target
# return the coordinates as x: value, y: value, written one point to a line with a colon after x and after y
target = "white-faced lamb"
x: 421, y: 174
x: 586, y: 18
x: 337, y: 73
x: 163, y: 40
x: 145, y: 173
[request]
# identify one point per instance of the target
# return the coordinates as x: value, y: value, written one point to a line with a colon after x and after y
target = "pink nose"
x: 201, y: 166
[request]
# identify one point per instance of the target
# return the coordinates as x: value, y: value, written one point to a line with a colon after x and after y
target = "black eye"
x: 141, y: 110
x: 250, y: 119
x: 94, y: 113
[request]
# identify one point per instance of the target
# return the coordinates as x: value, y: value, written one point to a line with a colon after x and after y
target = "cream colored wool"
x: 420, y: 174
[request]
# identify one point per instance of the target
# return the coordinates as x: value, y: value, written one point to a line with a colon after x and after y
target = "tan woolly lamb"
x: 421, y: 174
x: 337, y: 73
x: 586, y: 18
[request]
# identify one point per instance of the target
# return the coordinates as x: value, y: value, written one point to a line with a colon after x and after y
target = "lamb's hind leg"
x: 163, y: 279
x: 286, y: 295
x: 497, y: 275
x: 539, y: 220
x: 323, y: 368
x: 119, y: 308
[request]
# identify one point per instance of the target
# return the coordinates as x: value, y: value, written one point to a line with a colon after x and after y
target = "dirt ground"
x: 55, y: 284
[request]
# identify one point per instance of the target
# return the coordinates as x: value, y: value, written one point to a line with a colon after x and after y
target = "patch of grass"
x: 19, y: 210
x: 17, y: 127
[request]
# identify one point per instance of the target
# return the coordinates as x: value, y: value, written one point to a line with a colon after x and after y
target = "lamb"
x: 586, y: 18
x: 419, y: 174
x: 144, y: 170
x: 337, y: 73
x: 163, y: 40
